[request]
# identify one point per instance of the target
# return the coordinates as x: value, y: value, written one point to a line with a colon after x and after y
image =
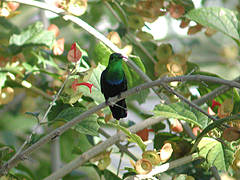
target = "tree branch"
x: 90, y: 30
x: 182, y: 98
x: 19, y: 151
x: 82, y: 116
x: 216, y: 92
x: 120, y: 147
x: 120, y: 136
x: 167, y: 166
x: 114, y: 48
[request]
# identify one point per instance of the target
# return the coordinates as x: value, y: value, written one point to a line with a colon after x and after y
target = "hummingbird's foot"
x: 119, y: 96
x: 109, y: 103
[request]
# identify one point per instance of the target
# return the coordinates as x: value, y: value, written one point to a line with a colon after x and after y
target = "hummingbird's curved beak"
x: 125, y: 58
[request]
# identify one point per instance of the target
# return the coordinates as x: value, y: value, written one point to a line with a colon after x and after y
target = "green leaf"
x: 68, y: 141
x: 132, y: 137
x: 164, y: 136
x: 29, y: 68
x: 213, y: 125
x: 109, y: 175
x: 192, y: 67
x: 44, y: 61
x: 101, y: 54
x: 215, y: 154
x: 150, y: 47
x: 70, y: 96
x: 181, y: 111
x: 8, y: 25
x: 56, y: 109
x: 20, y: 174
x: 3, y: 78
x: 134, y: 79
x: 69, y: 113
x: 201, y: 118
x: 6, y: 152
x: 86, y: 126
x: 95, y: 80
x: 183, y: 177
x: 159, y: 126
x: 35, y: 138
x: 83, y: 144
x: 220, y: 19
x: 120, y: 11
x: 236, y: 107
x: 33, y: 35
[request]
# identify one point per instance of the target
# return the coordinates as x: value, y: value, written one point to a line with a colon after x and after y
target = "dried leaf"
x: 115, y: 38
x: 143, y: 166
x: 74, y: 55
x: 7, y: 95
x: 152, y: 156
x: 58, y: 47
x: 166, y: 152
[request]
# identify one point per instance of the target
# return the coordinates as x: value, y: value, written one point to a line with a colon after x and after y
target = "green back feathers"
x: 115, y: 71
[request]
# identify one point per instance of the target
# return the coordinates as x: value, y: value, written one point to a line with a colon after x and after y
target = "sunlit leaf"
x: 3, y: 78
x: 33, y: 35
x: 101, y: 54
x: 220, y: 19
x: 86, y: 126
x: 134, y: 79
x: 215, y: 153
x: 132, y: 137
x: 182, y: 112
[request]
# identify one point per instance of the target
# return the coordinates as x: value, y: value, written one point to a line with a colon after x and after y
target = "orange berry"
x: 231, y: 134
x: 176, y: 10
x: 58, y: 48
x: 13, y: 5
x: 176, y: 126
x: 54, y: 29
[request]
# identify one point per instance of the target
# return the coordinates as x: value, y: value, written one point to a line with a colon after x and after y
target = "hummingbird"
x: 113, y: 82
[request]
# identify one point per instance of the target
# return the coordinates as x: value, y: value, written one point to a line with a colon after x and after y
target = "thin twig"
x: 55, y: 155
x: 216, y: 92
x: 120, y: 162
x: 120, y: 136
x: 56, y: 97
x: 215, y: 173
x: 120, y: 147
x: 28, y: 139
x: 145, y: 51
x: 167, y: 166
x: 169, y: 89
x: 82, y: 116
x: 34, y: 89
x: 213, y: 168
x: 60, y: 12
x: 90, y: 30
x: 112, y: 11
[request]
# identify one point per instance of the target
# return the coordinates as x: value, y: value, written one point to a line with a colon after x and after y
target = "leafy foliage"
x: 39, y: 63
x: 87, y: 126
x: 215, y: 154
x: 181, y: 111
x: 33, y: 35
x: 221, y: 19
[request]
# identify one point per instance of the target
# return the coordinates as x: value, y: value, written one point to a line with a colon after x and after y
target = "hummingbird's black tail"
x: 119, y: 110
